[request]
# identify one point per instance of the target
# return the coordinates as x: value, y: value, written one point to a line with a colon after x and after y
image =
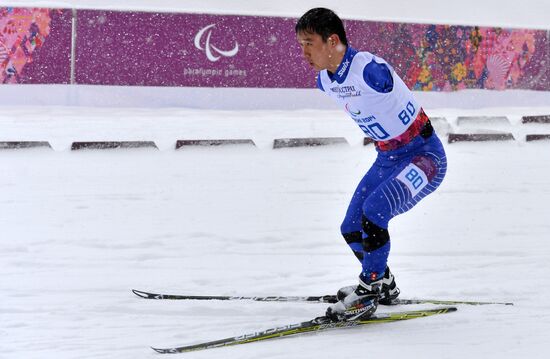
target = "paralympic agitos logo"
x: 203, y: 42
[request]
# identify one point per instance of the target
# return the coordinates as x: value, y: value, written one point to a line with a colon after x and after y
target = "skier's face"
x: 318, y: 53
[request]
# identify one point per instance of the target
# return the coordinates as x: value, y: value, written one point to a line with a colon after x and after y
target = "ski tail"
x: 445, y: 302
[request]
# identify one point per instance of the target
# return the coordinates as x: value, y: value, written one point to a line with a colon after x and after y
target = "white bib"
x: 382, y: 116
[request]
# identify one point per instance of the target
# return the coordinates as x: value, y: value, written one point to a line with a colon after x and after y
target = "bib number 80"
x: 413, y: 178
x: 375, y: 131
x: 407, y: 114
x: 378, y: 133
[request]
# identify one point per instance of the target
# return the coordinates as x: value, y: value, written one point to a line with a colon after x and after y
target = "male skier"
x: 410, y: 161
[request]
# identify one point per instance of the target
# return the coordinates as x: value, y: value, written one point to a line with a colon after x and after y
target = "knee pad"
x: 354, y: 241
x: 375, y: 237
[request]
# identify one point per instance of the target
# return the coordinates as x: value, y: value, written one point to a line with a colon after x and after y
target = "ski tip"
x: 141, y: 294
x: 162, y: 351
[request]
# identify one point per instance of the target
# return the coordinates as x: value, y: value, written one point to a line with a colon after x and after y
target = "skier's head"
x: 323, y: 22
x: 322, y: 36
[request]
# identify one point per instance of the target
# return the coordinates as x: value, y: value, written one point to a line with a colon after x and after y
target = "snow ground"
x: 80, y: 229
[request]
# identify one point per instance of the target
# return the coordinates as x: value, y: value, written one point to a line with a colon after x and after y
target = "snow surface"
x: 80, y: 229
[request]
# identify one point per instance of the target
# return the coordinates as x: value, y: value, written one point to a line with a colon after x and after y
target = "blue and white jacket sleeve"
x: 378, y: 76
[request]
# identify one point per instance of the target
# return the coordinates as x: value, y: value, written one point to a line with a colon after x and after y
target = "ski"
x: 316, y: 299
x: 315, y: 325
x: 445, y: 302
x: 311, y: 299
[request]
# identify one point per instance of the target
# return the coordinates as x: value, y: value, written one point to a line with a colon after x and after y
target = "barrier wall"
x: 195, y: 50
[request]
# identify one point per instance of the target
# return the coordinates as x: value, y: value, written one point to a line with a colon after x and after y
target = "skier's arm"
x: 378, y: 76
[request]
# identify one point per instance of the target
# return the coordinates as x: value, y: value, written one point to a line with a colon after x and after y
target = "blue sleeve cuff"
x: 378, y: 77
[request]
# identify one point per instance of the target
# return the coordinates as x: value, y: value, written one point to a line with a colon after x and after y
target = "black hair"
x: 323, y: 22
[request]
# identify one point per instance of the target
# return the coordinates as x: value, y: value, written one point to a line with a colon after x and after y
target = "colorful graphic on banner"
x: 447, y: 58
x: 24, y: 32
